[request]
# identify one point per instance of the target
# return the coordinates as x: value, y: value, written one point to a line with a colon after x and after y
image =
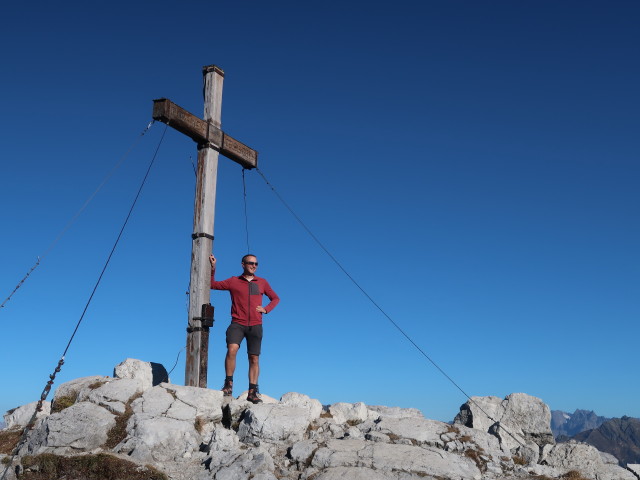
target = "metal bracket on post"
x: 207, y: 315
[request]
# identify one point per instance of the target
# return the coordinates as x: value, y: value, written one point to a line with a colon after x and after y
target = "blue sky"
x: 473, y: 165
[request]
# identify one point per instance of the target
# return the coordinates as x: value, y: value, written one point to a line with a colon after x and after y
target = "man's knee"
x: 232, y: 349
x: 254, y: 359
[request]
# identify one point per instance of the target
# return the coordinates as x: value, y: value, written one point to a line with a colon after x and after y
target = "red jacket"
x: 245, y: 297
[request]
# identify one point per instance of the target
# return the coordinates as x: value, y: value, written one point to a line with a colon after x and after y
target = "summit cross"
x: 211, y: 141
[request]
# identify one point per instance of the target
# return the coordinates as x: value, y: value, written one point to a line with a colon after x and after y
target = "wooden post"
x: 203, y: 223
x: 211, y: 141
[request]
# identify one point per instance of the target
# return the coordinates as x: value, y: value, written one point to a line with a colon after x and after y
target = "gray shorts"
x: 253, y: 334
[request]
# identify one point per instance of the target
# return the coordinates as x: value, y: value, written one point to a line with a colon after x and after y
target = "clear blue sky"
x: 474, y: 165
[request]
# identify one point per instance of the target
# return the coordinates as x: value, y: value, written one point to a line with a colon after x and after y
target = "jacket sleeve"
x: 273, y: 297
x: 222, y: 284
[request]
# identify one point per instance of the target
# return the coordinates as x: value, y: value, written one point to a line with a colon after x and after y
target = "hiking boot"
x: 227, y: 388
x: 254, y: 396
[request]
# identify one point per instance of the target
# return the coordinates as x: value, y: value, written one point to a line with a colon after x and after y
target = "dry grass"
x: 61, y: 403
x: 519, y: 460
x: 199, y: 424
x: 119, y: 431
x: 573, y: 475
x: 9, y: 441
x: 453, y: 429
x: 86, y: 467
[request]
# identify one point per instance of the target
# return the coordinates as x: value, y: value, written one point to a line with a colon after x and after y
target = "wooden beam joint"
x: 203, y: 133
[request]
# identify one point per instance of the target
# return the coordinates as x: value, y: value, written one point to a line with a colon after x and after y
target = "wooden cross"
x: 211, y: 141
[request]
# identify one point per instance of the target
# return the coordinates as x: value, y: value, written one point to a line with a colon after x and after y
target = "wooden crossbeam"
x: 202, y: 132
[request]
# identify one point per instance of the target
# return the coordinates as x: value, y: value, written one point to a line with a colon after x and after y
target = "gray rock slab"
x: 352, y: 413
x: 274, y: 422
x: 420, y: 430
x: 21, y: 416
x: 584, y: 458
x: 351, y: 473
x: 421, y: 461
x: 395, y: 412
x: 80, y: 428
x: 251, y: 463
x: 313, y: 406
x: 79, y: 388
x: 115, y: 394
x: 302, y: 451
x: 159, y: 439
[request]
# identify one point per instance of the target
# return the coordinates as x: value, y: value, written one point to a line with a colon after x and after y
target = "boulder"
x: 21, y: 416
x: 520, y: 420
x: 584, y: 458
x: 313, y: 406
x: 113, y: 395
x: 255, y: 462
x: 148, y: 373
x: 388, y: 459
x: 351, y: 413
x: 395, y: 412
x: 273, y: 422
x: 76, y: 390
x: 82, y: 427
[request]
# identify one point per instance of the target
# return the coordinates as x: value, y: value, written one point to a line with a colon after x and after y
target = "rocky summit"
x: 136, y: 425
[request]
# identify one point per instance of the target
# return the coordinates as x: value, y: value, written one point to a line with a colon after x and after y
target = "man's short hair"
x: 248, y: 255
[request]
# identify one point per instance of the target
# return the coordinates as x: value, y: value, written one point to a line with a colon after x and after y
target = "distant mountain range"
x: 565, y: 424
x: 617, y: 436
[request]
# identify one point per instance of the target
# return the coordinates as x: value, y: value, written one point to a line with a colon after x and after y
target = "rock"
x: 248, y: 465
x: 634, y: 468
x: 148, y: 373
x: 159, y: 439
x: 114, y: 395
x: 80, y: 428
x: 293, y: 399
x: 395, y: 412
x: 583, y: 458
x: 518, y: 420
x: 351, y: 473
x: 21, y: 416
x: 352, y: 413
x: 76, y: 390
x: 302, y: 451
x: 273, y: 422
x: 389, y: 458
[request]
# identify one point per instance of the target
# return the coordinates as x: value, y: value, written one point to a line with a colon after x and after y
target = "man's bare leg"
x: 254, y: 368
x: 230, y: 359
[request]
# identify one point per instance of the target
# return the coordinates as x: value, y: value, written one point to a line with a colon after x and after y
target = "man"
x: 246, y: 320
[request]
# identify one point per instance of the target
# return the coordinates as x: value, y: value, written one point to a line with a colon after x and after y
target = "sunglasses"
x: 251, y: 263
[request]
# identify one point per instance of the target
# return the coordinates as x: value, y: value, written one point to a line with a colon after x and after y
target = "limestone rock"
x: 113, y: 395
x: 395, y: 412
x: 274, y: 422
x: 313, y: 406
x: 148, y: 373
x: 352, y: 413
x: 584, y: 458
x: 248, y: 465
x: 520, y: 419
x: 21, y: 416
x: 351, y: 473
x: 302, y: 451
x: 77, y: 390
x: 389, y: 458
x: 80, y: 428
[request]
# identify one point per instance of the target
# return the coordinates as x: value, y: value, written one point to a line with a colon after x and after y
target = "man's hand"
x: 261, y: 309
x: 212, y: 261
